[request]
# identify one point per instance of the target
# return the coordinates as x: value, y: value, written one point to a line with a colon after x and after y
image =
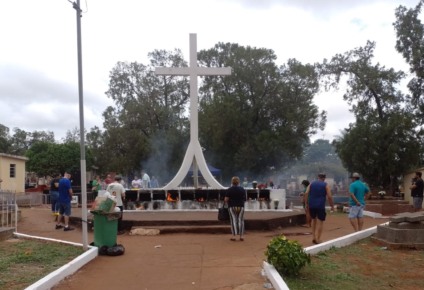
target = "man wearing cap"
x: 358, y: 192
x: 316, y: 194
x: 116, y: 189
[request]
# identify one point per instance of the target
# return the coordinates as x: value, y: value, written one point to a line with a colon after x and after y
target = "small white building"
x: 12, y: 172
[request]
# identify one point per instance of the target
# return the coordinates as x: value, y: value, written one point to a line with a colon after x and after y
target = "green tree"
x: 47, y: 158
x: 20, y: 142
x: 4, y: 139
x: 384, y: 142
x: 410, y: 43
x: 37, y: 136
x: 147, y: 108
x: 260, y: 117
x: 72, y: 135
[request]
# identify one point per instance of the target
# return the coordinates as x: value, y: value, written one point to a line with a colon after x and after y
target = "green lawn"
x: 363, y: 265
x: 23, y: 262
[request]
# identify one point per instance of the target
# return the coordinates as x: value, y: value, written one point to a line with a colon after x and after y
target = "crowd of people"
x: 313, y: 197
x: 317, y: 192
x: 144, y: 182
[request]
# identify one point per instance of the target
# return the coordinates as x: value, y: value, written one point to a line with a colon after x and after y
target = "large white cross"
x: 194, y: 153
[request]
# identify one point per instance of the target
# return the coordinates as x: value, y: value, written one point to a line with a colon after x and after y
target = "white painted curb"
x: 278, y: 282
x: 70, y: 268
x: 274, y: 277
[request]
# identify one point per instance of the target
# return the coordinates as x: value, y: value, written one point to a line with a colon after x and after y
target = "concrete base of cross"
x: 193, y: 153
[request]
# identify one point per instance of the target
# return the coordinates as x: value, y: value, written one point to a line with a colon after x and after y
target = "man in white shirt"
x: 146, y: 180
x: 116, y: 189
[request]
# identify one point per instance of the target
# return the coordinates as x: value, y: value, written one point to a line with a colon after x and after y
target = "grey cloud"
x: 321, y: 6
x: 31, y: 100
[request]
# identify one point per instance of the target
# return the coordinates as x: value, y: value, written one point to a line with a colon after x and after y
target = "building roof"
x: 14, y: 156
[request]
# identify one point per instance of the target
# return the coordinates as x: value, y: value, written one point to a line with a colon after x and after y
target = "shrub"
x: 288, y: 257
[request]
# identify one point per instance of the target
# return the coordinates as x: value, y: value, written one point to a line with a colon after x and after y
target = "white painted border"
x: 278, y: 282
x: 52, y: 279
x: 274, y: 277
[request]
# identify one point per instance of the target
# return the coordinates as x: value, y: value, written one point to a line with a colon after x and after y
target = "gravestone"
x: 405, y: 230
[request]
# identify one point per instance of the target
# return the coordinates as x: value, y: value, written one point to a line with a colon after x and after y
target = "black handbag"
x: 223, y: 214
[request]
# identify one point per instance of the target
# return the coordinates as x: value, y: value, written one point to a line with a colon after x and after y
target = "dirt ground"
x: 179, y: 261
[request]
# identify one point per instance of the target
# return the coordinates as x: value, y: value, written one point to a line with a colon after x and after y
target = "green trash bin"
x: 105, y: 229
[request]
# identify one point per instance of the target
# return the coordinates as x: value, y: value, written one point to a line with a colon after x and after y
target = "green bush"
x: 288, y: 257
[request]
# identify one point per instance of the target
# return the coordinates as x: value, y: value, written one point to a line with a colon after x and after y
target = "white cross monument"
x: 194, y: 153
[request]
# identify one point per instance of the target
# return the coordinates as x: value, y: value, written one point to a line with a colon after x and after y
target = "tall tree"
x: 410, y: 43
x: 384, y: 141
x: 20, y: 141
x: 147, y: 108
x: 260, y: 117
x: 4, y: 139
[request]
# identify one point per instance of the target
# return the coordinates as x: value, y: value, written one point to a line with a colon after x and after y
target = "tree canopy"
x: 384, y: 142
x: 260, y: 117
x: 410, y: 43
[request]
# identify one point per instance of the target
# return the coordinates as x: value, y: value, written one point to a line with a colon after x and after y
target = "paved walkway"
x: 179, y: 261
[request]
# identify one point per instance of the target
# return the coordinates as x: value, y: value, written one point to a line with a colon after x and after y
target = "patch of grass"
x: 360, y: 266
x: 23, y: 262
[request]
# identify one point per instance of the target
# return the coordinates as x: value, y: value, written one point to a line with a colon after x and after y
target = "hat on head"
x: 355, y: 174
x: 305, y: 182
x: 118, y: 177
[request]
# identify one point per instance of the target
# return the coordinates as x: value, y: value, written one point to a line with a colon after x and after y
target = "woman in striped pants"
x: 235, y: 198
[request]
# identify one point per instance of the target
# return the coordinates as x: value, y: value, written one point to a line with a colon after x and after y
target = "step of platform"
x: 208, y: 229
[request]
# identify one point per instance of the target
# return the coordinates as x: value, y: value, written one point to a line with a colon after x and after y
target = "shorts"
x: 65, y: 208
x: 318, y: 213
x: 356, y: 211
x: 417, y: 202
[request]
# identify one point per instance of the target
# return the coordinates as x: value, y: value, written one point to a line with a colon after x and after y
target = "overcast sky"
x: 38, y: 59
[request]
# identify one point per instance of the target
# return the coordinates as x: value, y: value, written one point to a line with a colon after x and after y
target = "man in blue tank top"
x: 358, y: 191
x: 316, y: 194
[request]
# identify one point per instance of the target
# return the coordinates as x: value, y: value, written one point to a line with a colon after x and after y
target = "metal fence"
x: 8, y: 210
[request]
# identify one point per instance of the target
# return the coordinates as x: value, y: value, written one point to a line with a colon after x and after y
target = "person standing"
x: 154, y: 183
x: 96, y: 186
x: 65, y: 196
x: 358, y: 192
x: 54, y: 196
x: 305, y: 184
x: 417, y: 189
x: 116, y: 189
x: 235, y: 197
x: 315, y: 196
x: 245, y: 182
x: 136, y: 183
x: 108, y: 179
x: 146, y: 180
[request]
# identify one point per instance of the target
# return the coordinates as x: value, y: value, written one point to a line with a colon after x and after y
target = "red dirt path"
x: 178, y: 261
